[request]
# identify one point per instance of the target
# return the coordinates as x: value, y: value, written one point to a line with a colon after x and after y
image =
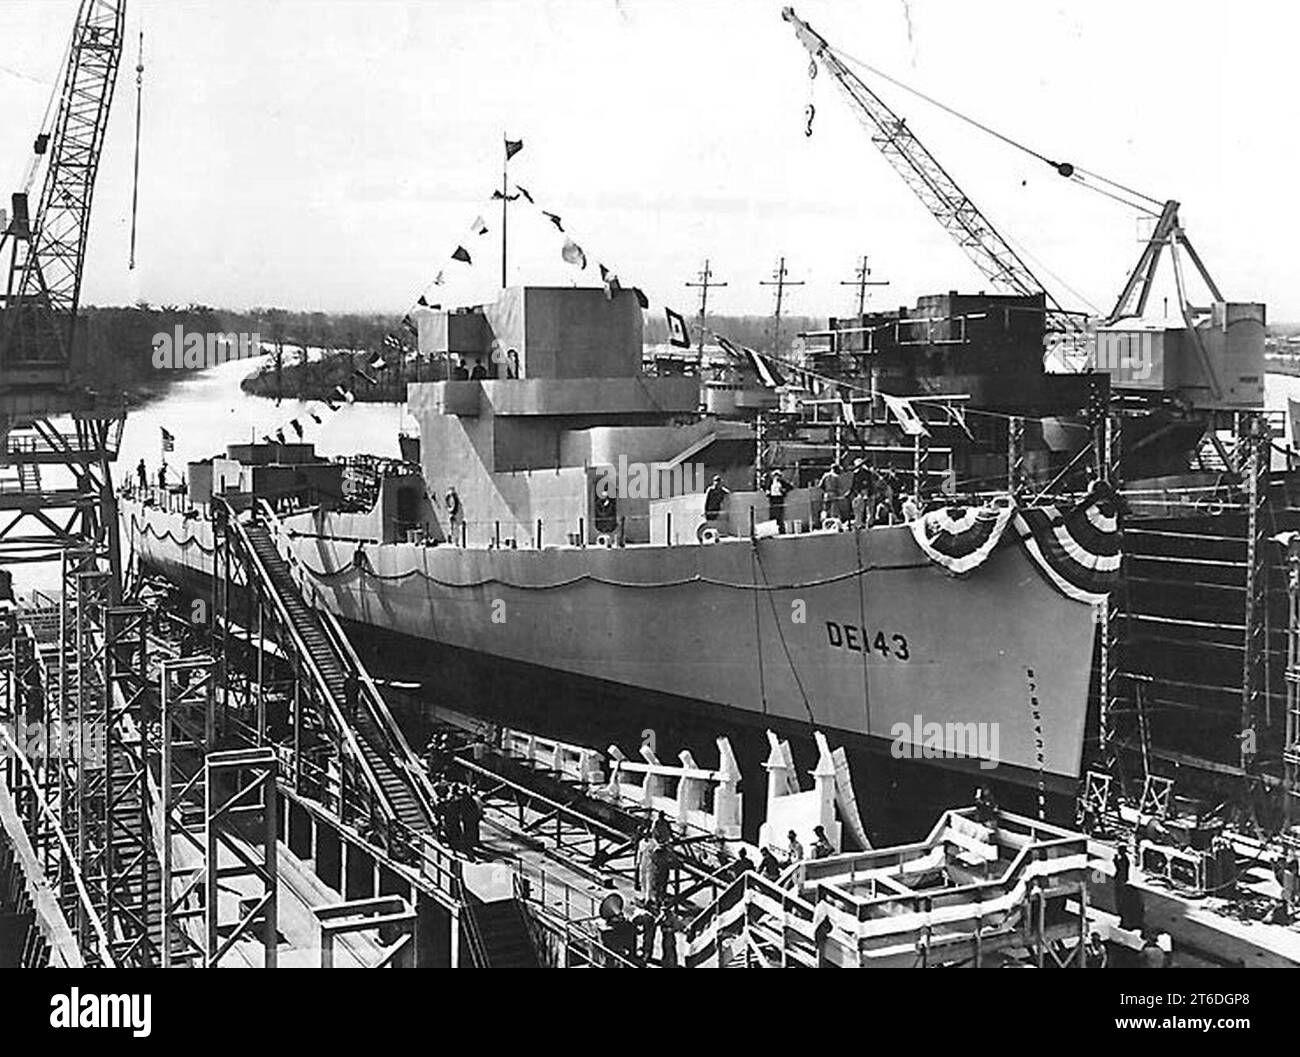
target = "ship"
x: 543, y: 554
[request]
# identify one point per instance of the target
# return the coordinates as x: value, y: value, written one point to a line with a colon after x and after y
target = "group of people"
x: 770, y: 866
x: 457, y: 816
x: 864, y: 496
x: 859, y: 495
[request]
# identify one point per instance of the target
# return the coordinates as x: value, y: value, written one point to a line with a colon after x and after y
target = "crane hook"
x: 810, y: 112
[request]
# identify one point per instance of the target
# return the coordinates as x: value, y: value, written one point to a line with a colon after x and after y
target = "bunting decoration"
x: 279, y: 436
x: 1078, y: 551
x: 461, y: 254
x: 612, y: 285
x: 297, y: 427
x: 642, y: 301
x: 479, y: 227
x: 747, y: 357
x: 524, y: 191
x: 572, y: 254
x: 905, y: 414
x: 554, y: 218
x: 678, y: 336
x: 960, y: 538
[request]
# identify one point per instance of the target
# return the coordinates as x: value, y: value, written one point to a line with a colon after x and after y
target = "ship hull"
x: 857, y: 635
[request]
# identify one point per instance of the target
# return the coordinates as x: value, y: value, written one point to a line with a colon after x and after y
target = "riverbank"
x: 321, y: 377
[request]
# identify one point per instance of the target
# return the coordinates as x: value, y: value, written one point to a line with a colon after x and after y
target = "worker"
x: 479, y: 373
x: 793, y: 849
x: 715, y: 497
x: 778, y: 488
x: 351, y: 697
x: 661, y: 862
x: 162, y: 476
x: 1095, y: 955
x: 911, y: 509
x: 471, y: 815
x: 826, y: 503
x: 768, y: 865
x: 641, y: 863
x: 821, y: 845
x: 861, y: 488
x: 741, y: 865
x: 142, y: 476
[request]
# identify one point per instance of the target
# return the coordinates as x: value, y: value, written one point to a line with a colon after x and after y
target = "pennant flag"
x: 168, y: 441
x: 279, y: 435
x: 957, y: 416
x: 340, y: 392
x: 846, y: 409
x: 266, y: 438
x: 611, y: 282
x: 479, y: 227
x: 747, y: 357
x: 377, y: 363
x: 438, y: 279
x: 769, y: 377
x: 1079, y: 551
x: 554, y: 218
x: 524, y: 191
x: 572, y: 253
x: 392, y: 341
x: 421, y: 300
x: 641, y: 299
x: 908, y: 420
x: 297, y: 427
x: 678, y: 336
x: 349, y: 396
x: 409, y: 324
x: 960, y: 538
x: 513, y: 147
x: 461, y: 254
x: 315, y: 417
x: 331, y: 405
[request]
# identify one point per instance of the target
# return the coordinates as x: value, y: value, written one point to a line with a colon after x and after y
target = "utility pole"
x: 705, y: 285
x: 862, y: 281
x: 780, y: 281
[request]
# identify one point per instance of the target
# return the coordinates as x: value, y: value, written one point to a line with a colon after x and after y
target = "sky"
x: 330, y: 155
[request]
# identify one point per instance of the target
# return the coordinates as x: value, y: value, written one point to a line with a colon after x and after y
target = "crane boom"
x: 930, y: 182
x: 38, y: 325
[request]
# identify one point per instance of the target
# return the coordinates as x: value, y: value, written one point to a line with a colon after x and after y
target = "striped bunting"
x: 1079, y: 551
x: 960, y: 538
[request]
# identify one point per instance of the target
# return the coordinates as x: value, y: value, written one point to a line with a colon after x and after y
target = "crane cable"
x: 1066, y: 169
x: 135, y: 176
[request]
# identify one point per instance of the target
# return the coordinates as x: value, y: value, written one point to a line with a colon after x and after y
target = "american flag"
x: 168, y: 441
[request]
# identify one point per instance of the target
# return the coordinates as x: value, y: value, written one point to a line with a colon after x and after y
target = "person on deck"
x: 162, y: 476
x: 715, y: 497
x: 142, y: 476
x: 776, y: 493
x: 828, y: 497
x: 741, y: 865
x: 768, y: 865
x: 860, y: 492
x: 455, y: 513
x: 821, y: 845
x: 793, y: 849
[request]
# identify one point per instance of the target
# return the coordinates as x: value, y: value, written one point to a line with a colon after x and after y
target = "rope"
x: 1066, y: 169
x: 780, y: 633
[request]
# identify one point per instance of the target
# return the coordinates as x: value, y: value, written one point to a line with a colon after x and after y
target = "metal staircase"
x: 327, y: 660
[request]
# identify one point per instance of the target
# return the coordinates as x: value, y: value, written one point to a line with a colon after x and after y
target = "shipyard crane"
x: 47, y: 420
x: 932, y: 184
x: 48, y: 248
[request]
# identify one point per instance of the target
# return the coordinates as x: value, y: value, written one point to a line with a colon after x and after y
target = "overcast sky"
x: 331, y: 154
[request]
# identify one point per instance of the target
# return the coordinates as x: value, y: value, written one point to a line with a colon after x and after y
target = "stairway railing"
x: 347, y: 736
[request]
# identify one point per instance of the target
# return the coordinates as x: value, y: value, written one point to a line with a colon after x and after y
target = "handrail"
x: 345, y: 728
x: 400, y: 749
x: 83, y: 896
